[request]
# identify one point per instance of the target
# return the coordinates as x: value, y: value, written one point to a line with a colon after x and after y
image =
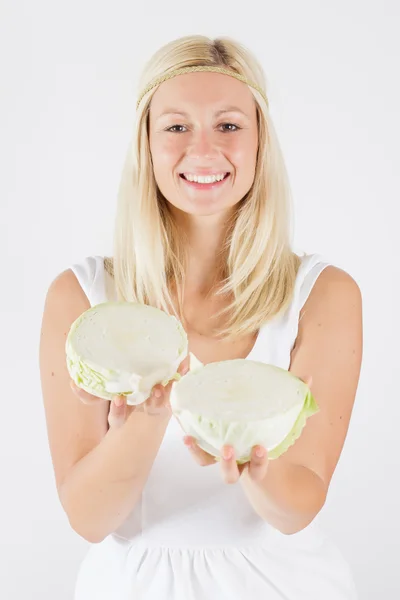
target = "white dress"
x: 193, y: 537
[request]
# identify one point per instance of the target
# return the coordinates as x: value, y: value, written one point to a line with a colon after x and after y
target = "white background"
x: 67, y: 96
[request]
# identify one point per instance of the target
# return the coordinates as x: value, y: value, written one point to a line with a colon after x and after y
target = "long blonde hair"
x: 149, y: 254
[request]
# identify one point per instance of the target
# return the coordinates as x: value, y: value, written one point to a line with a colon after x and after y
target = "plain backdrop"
x: 68, y: 88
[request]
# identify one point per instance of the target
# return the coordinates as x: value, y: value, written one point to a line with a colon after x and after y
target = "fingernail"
x: 260, y: 452
x: 187, y: 441
x: 118, y: 401
x: 227, y: 453
x: 157, y: 393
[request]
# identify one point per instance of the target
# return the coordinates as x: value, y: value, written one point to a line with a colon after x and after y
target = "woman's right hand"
x: 156, y: 405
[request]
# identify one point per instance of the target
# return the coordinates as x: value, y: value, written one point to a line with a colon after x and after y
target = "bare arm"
x: 329, y: 349
x: 100, y: 471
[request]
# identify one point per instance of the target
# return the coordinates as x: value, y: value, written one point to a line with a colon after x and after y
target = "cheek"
x: 243, y: 156
x: 166, y: 155
x: 165, y: 152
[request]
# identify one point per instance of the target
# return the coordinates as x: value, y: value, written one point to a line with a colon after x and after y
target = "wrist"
x: 289, y: 497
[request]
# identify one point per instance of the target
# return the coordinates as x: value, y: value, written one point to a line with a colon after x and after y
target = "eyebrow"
x: 227, y: 109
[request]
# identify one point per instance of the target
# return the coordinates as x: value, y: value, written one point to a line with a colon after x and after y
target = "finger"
x: 203, y: 458
x: 166, y: 392
x: 85, y: 397
x: 158, y: 402
x: 258, y: 465
x: 118, y: 411
x: 229, y: 467
x: 184, y: 367
x: 307, y: 379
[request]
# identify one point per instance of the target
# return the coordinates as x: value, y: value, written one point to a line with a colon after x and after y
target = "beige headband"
x: 222, y: 70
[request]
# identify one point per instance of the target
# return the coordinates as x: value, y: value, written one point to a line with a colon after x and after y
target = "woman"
x: 202, y: 229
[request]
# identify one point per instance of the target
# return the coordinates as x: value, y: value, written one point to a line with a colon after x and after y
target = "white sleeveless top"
x: 193, y: 537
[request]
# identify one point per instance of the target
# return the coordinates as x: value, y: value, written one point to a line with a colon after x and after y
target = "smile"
x: 204, y: 181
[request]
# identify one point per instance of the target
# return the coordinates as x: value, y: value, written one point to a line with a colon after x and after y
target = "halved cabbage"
x: 242, y: 403
x: 124, y: 348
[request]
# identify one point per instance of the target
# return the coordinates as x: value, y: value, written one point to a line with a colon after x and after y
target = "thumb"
x: 184, y: 367
x: 118, y: 411
x: 308, y: 380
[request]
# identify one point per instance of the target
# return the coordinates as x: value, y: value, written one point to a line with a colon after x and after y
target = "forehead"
x: 201, y: 90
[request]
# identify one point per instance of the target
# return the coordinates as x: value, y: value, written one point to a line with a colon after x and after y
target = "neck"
x: 205, y: 238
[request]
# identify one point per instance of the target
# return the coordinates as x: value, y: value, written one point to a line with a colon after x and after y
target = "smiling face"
x: 203, y: 141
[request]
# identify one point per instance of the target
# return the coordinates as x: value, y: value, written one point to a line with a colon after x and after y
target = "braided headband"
x: 222, y: 70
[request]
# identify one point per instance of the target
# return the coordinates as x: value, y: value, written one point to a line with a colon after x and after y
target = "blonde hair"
x: 149, y: 255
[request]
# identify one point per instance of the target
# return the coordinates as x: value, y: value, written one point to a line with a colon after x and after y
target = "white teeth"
x: 204, y: 178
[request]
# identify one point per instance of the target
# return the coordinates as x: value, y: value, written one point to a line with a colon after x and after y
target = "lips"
x: 224, y: 173
x: 204, y: 187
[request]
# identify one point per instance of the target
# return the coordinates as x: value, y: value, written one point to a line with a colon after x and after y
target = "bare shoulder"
x: 329, y: 349
x: 332, y: 275
x: 333, y: 311
x: 333, y: 285
x: 73, y: 427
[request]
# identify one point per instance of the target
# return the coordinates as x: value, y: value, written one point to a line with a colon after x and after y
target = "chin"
x: 207, y: 209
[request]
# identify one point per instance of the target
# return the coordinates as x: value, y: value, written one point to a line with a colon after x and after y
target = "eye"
x: 232, y: 127
x: 174, y: 128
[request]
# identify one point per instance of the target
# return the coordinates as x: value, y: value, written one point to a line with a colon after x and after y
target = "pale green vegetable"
x: 242, y: 403
x: 124, y: 348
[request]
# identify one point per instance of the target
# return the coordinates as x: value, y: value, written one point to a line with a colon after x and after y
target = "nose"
x: 202, y: 146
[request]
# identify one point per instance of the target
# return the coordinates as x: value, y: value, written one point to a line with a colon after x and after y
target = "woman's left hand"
x: 257, y: 465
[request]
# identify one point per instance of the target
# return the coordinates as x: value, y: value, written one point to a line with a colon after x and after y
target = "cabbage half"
x: 242, y: 403
x: 124, y: 348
